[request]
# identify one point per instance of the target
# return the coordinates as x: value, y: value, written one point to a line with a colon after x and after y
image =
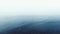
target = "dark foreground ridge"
x: 50, y: 27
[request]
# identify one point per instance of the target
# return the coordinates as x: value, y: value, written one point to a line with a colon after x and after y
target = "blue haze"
x: 30, y: 25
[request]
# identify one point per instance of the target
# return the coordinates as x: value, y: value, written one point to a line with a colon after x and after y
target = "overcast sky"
x: 29, y: 7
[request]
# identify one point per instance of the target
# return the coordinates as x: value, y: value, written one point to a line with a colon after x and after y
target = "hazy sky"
x: 29, y: 7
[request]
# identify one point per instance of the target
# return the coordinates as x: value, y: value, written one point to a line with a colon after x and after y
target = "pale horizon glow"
x: 37, y: 7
